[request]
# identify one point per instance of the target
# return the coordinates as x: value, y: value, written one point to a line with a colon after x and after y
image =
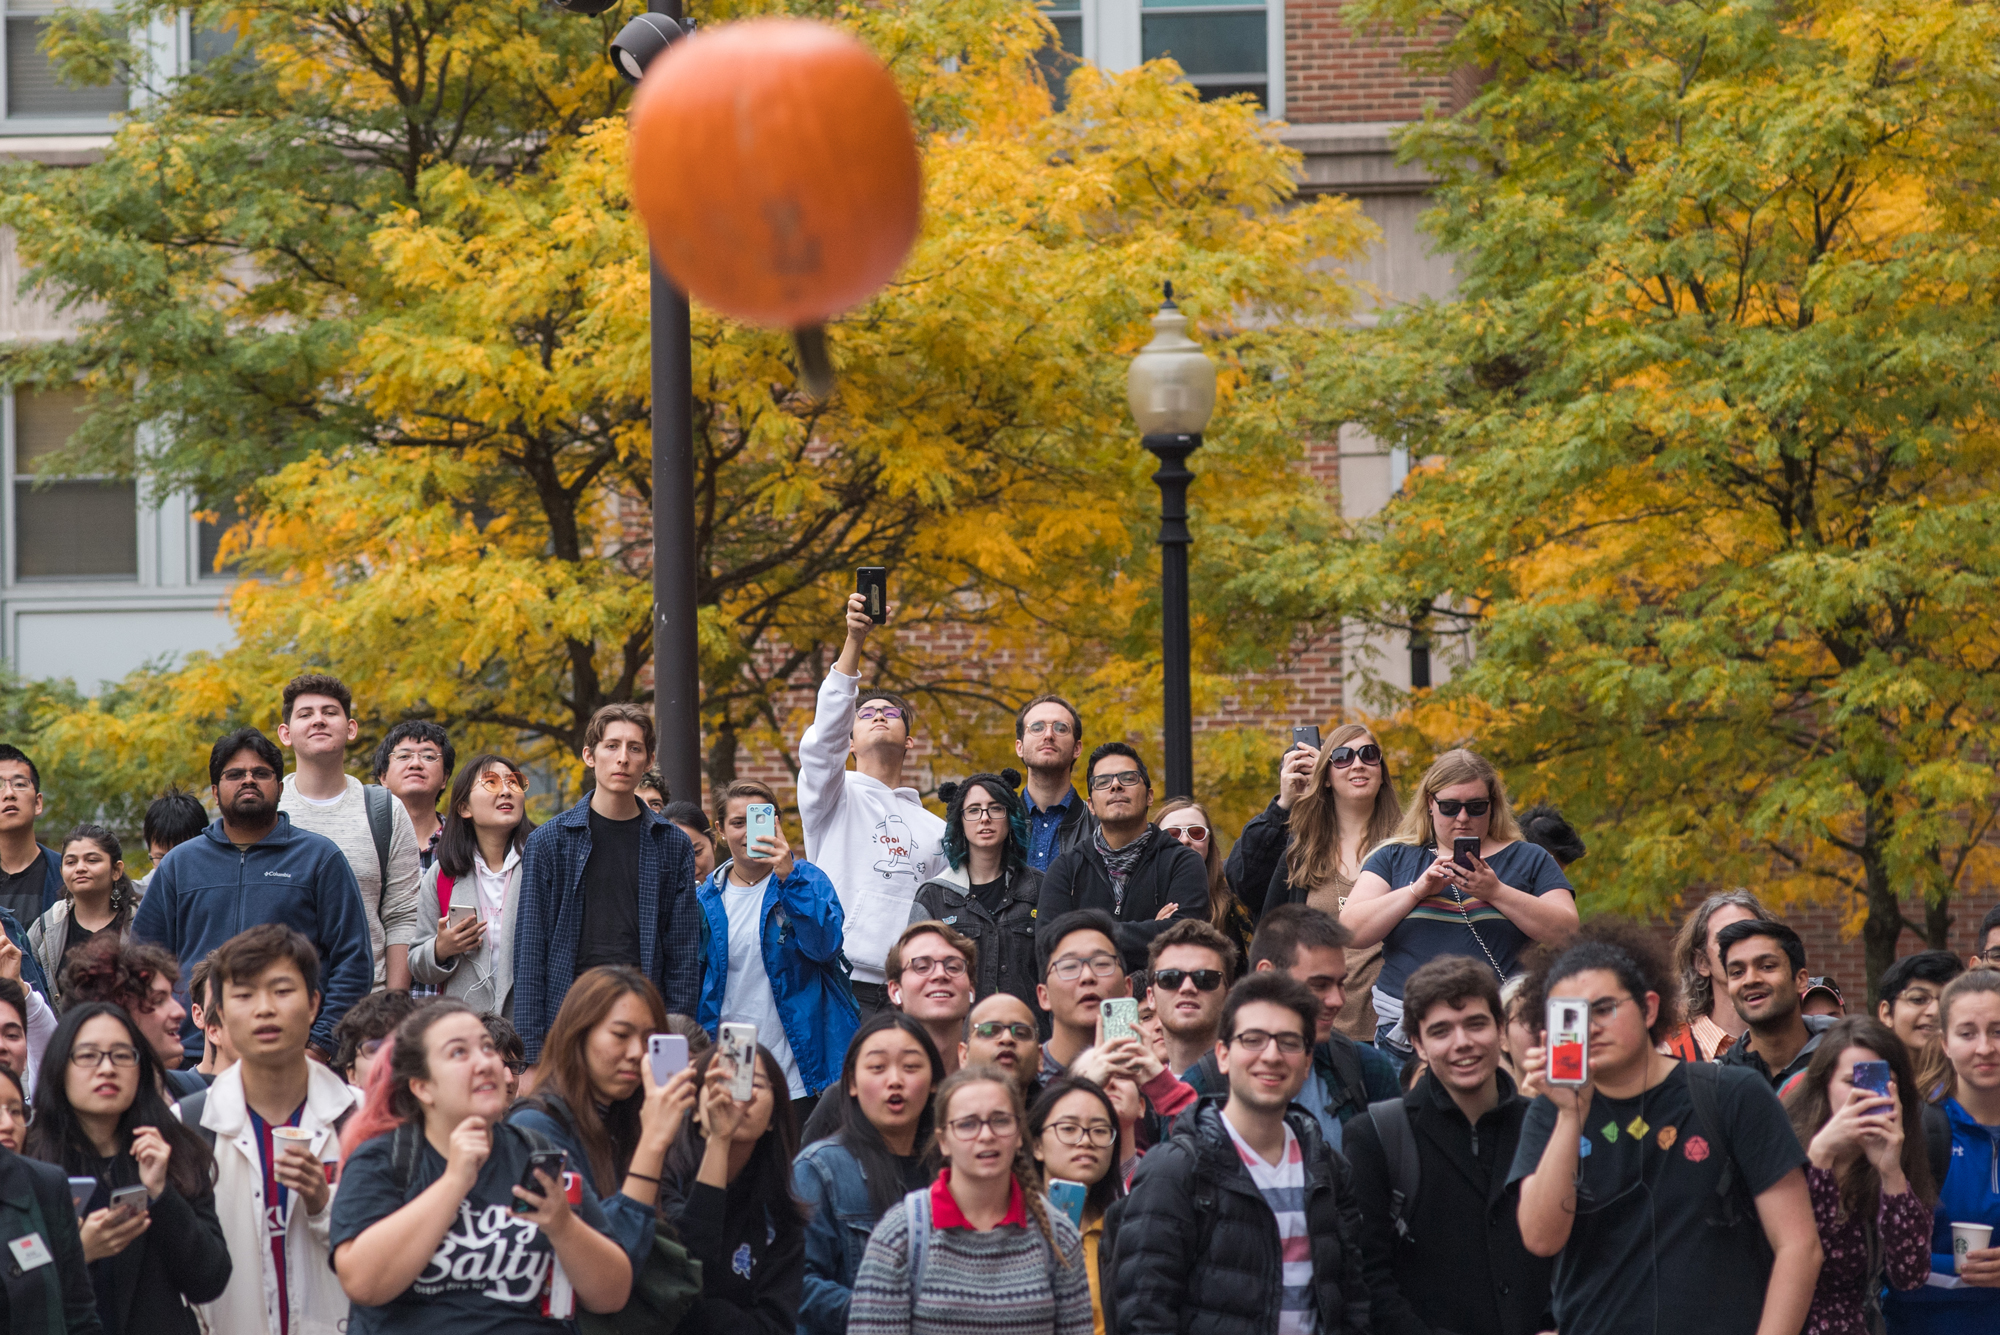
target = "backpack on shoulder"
x: 1399, y: 1151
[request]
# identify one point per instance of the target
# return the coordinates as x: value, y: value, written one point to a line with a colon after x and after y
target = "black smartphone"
x: 1465, y: 851
x: 872, y: 583
x: 550, y: 1162
x: 1306, y: 735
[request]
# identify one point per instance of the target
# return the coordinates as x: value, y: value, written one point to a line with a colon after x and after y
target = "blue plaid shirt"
x: 549, y: 920
x: 1045, y: 828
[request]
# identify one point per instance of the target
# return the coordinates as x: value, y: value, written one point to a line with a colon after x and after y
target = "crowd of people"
x: 388, y: 1057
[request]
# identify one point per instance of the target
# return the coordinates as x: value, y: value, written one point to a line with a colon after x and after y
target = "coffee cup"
x: 1968, y: 1238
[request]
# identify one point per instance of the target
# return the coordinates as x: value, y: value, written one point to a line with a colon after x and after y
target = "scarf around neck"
x: 1120, y: 861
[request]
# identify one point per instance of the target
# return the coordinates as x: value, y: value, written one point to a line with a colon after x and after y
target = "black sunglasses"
x: 1343, y: 756
x: 1205, y: 980
x: 1451, y: 806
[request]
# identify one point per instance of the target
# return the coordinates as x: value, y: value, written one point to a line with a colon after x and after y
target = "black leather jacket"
x: 1006, y: 940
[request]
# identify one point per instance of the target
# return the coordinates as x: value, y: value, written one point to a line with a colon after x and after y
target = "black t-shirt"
x: 75, y: 936
x: 992, y: 895
x: 1644, y: 1257
x: 21, y: 891
x: 487, y: 1276
x: 610, y: 895
x: 1439, y: 927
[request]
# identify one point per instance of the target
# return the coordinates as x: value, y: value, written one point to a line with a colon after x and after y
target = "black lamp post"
x: 1171, y: 388
x: 676, y: 659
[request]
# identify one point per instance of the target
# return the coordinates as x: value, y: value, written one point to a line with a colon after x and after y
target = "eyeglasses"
x: 1915, y: 996
x: 992, y: 1029
x: 495, y: 782
x: 1451, y: 806
x: 980, y: 815
x: 20, y: 784
x: 515, y: 1067
x: 922, y: 965
x: 256, y: 774
x: 1605, y: 1007
x: 1040, y: 726
x: 1188, y: 834
x: 1069, y: 967
x: 1254, y: 1041
x: 968, y: 1128
x: 368, y: 1047
x: 1205, y: 980
x: 427, y: 756
x: 1124, y: 778
x: 1991, y: 956
x: 871, y: 712
x: 1099, y: 1134
x: 1343, y: 756
x: 123, y: 1057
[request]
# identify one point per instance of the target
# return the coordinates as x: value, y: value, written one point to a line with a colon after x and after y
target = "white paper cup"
x: 1968, y: 1238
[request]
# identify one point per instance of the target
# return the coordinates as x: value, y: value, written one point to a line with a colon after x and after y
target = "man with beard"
x: 1048, y: 737
x: 1764, y: 965
x: 1127, y: 868
x: 251, y: 866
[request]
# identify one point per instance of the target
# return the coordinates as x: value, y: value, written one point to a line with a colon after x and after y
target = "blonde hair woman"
x: 1415, y: 899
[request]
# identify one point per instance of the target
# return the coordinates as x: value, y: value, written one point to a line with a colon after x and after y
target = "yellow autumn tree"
x: 431, y: 399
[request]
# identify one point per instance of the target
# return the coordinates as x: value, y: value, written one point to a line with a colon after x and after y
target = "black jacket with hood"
x: 1166, y: 873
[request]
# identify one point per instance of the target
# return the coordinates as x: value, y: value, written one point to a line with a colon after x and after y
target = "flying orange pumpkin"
x: 776, y: 168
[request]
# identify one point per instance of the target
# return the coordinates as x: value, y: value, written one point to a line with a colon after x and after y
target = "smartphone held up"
x: 1569, y: 1041
x: 738, y: 1044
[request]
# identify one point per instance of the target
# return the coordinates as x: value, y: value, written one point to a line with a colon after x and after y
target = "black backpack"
x: 1399, y: 1152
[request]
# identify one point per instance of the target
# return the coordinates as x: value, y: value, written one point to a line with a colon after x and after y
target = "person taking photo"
x: 728, y: 1193
x: 99, y: 1114
x: 1870, y: 1179
x: 1689, y: 1210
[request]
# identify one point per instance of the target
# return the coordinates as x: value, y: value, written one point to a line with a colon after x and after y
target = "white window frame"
x: 160, y: 43
x: 1112, y: 40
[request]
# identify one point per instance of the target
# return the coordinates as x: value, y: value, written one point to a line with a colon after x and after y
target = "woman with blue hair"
x: 988, y: 892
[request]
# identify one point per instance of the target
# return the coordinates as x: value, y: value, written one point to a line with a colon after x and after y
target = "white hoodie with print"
x: 877, y: 844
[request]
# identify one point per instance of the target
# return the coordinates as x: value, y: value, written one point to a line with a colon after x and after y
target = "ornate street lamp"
x: 1171, y: 388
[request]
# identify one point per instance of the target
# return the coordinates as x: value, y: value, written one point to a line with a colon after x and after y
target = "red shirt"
x: 946, y: 1214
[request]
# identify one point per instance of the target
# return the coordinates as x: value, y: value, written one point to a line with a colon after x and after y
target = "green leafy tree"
x: 379, y: 283
x: 1710, y: 430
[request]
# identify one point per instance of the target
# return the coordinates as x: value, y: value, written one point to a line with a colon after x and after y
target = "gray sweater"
x: 1000, y: 1282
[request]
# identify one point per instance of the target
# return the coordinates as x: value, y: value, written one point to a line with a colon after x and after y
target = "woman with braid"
x: 979, y: 1239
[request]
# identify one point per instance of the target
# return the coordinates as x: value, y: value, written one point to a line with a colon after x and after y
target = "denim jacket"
x: 800, y: 945
x: 829, y: 1180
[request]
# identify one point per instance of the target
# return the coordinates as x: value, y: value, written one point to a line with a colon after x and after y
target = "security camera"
x: 639, y: 41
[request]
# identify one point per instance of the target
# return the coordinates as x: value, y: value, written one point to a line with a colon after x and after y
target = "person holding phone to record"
x: 1424, y: 893
x: 772, y: 925
x: 471, y: 893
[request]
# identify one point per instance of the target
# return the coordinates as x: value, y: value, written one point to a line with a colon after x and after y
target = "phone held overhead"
x: 872, y: 583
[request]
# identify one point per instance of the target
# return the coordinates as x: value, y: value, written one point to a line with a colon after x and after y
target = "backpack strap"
x: 1399, y: 1150
x: 1937, y: 1142
x: 1704, y: 1083
x: 190, y: 1109
x: 1346, y: 1061
x: 917, y: 1215
x: 376, y: 799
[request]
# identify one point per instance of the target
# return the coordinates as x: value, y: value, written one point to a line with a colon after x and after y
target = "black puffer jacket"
x: 1006, y: 942
x: 1166, y: 873
x: 1196, y: 1249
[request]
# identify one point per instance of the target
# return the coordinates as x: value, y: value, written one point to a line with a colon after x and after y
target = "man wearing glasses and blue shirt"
x: 1127, y: 868
x: 872, y: 836
x: 1048, y: 737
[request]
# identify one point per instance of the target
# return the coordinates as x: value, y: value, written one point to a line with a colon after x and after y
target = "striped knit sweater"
x: 1000, y: 1282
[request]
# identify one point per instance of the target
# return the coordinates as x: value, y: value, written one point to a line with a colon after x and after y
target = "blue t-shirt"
x: 487, y: 1275
x: 1439, y: 926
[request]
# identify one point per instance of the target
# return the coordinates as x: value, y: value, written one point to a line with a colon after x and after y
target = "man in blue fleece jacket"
x: 252, y: 867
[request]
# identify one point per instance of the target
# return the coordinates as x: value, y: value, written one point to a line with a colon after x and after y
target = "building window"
x: 33, y: 90
x: 208, y: 544
x: 1059, y: 59
x: 78, y: 528
x: 1224, y: 48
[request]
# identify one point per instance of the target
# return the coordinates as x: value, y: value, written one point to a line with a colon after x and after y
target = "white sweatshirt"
x: 877, y: 844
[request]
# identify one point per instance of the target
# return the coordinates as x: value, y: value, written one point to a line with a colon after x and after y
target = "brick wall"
x: 1335, y: 73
